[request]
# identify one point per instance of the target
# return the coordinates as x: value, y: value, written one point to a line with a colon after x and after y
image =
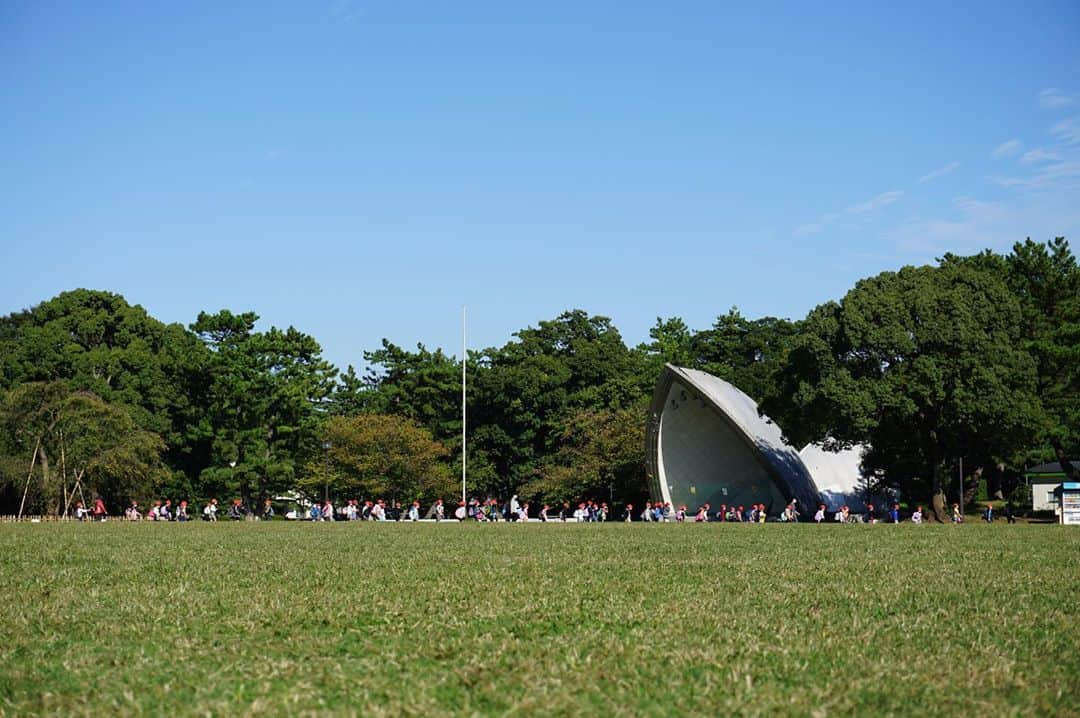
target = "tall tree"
x: 925, y: 365
x: 376, y: 455
x: 267, y: 396
x: 72, y: 443
x: 97, y: 342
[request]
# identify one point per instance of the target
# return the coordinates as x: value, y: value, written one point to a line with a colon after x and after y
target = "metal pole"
x: 464, y: 357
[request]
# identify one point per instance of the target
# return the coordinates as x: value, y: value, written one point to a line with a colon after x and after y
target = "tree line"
x: 974, y: 357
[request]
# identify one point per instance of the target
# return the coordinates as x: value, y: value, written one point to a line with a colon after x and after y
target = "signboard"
x: 1070, y: 503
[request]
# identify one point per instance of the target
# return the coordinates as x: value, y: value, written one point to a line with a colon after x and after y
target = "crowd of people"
x: 494, y: 510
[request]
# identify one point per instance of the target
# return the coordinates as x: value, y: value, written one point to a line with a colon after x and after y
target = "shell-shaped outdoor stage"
x: 706, y: 442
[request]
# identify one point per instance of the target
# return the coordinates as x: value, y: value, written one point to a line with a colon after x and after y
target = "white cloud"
x: 1068, y: 131
x: 1052, y: 99
x: 882, y: 200
x: 1007, y: 149
x: 939, y: 172
x: 1039, y: 155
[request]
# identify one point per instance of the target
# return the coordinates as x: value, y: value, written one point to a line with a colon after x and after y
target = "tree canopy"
x: 974, y: 357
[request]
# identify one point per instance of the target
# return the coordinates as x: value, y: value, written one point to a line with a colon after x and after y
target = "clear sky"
x: 363, y: 169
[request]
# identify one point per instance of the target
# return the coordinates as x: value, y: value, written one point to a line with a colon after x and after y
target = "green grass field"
x: 419, y: 619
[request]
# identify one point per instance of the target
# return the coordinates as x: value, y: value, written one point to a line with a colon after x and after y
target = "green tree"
x: 924, y: 365
x: 97, y: 342
x: 377, y: 455
x: 600, y: 454
x: 266, y: 403
x: 75, y: 444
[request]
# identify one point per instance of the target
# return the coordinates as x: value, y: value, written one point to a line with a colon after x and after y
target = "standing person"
x: 414, y: 511
x: 1010, y: 512
x: 268, y: 510
x: 894, y: 513
x: 440, y: 510
x: 181, y: 511
x: 515, y: 508
x: 543, y: 513
x: 957, y: 517
x: 988, y: 514
x: 820, y: 515
x: 99, y: 509
x: 209, y: 512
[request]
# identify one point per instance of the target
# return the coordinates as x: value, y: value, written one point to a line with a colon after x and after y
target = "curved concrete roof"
x: 707, y: 443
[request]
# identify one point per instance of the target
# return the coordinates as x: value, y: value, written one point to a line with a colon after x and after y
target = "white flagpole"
x: 464, y: 357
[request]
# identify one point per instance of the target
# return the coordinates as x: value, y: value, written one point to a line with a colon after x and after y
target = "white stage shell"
x: 707, y: 443
x: 838, y: 476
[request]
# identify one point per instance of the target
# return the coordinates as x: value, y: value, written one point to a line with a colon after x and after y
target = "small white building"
x: 1044, y: 481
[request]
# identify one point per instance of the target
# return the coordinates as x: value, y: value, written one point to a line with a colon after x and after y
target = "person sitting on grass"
x: 763, y: 514
x: 81, y: 513
x: 957, y: 517
x: 414, y: 511
x: 894, y: 513
x: 628, y: 513
x: 209, y: 512
x: 871, y: 514
x: 268, y: 510
x: 916, y: 518
x: 237, y: 511
x: 791, y: 514
x: 988, y: 514
x: 820, y: 515
x: 181, y: 511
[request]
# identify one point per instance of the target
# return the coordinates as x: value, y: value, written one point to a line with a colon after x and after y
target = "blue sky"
x: 363, y: 169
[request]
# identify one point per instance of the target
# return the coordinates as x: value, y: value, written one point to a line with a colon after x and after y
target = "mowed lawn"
x: 384, y: 619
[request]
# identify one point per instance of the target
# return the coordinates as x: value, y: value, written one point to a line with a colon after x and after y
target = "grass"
x: 648, y: 620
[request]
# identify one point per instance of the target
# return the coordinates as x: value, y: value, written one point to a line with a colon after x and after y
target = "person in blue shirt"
x: 894, y: 513
x: 315, y: 514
